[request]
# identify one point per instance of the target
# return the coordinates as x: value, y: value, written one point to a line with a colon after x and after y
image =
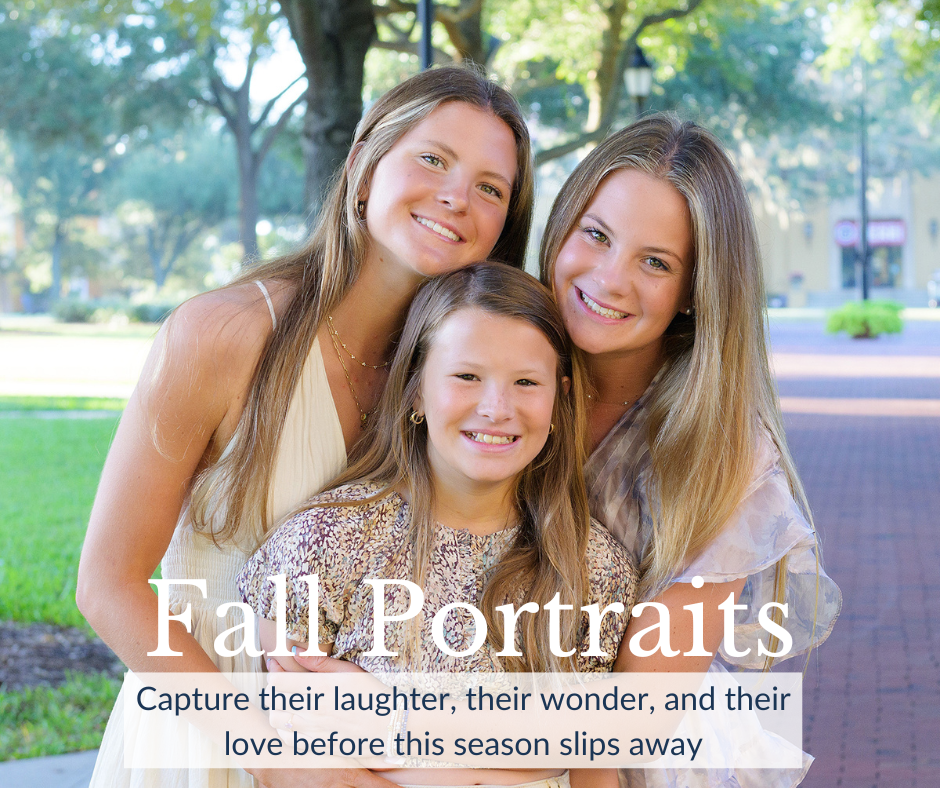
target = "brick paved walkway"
x: 872, y: 692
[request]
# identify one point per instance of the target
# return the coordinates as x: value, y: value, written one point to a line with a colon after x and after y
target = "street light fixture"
x: 638, y: 78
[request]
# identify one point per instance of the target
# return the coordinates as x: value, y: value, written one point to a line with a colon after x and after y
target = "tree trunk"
x: 470, y: 33
x: 58, y: 242
x: 332, y: 37
x: 155, y: 254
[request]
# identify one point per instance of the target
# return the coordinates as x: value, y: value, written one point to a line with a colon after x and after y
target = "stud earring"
x: 416, y: 418
x: 690, y: 311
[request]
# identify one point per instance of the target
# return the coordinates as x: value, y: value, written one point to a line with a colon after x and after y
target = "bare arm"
x: 180, y: 417
x: 186, y: 404
x: 681, y: 633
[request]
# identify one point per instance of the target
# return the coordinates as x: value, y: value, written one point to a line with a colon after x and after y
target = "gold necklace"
x: 624, y: 404
x: 363, y: 414
x: 336, y: 338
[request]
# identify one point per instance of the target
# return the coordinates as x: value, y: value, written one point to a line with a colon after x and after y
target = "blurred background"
x: 149, y: 149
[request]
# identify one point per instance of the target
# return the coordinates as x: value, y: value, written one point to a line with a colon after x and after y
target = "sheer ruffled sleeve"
x: 766, y: 527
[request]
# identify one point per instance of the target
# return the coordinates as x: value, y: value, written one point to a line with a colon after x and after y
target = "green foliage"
x: 171, y: 191
x: 49, y: 470
x: 38, y: 721
x: 61, y: 403
x: 864, y: 319
x: 149, y: 313
x: 71, y: 310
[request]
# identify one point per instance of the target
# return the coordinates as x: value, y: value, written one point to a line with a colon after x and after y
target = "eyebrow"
x: 653, y: 249
x: 449, y: 151
x: 597, y: 220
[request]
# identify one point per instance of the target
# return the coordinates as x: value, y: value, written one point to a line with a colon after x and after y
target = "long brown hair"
x: 716, y: 392
x: 230, y: 499
x: 547, y: 556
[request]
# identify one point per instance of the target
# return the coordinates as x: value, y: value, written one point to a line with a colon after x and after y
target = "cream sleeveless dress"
x: 311, y: 452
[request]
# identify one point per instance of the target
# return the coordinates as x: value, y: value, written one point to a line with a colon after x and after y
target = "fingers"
x: 274, y: 666
x: 326, y: 665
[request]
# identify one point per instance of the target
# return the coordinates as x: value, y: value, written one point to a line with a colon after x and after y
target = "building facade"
x: 813, y: 258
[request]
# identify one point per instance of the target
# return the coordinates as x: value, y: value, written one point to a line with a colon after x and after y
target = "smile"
x: 485, y: 437
x: 603, y: 311
x: 437, y: 228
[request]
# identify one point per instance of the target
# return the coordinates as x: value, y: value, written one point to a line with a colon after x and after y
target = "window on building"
x: 886, y: 266
x: 849, y: 256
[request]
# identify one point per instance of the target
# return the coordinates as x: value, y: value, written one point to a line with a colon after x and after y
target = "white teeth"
x: 602, y: 310
x: 485, y: 437
x: 438, y: 228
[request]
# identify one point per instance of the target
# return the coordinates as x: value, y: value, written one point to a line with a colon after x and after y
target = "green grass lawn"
x: 49, y: 470
x: 60, y: 403
x: 41, y: 721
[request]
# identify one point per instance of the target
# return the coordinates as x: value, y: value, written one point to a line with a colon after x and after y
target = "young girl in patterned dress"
x: 473, y: 489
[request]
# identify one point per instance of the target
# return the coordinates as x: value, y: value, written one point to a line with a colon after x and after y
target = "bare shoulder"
x: 232, y: 324
x: 205, y: 355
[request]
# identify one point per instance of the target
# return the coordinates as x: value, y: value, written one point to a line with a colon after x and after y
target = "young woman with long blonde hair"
x: 652, y: 254
x: 254, y: 394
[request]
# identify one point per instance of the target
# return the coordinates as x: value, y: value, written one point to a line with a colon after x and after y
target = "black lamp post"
x: 426, y: 19
x: 638, y: 78
x: 864, y: 250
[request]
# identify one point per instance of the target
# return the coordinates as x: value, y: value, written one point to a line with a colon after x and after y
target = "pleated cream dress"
x: 311, y: 452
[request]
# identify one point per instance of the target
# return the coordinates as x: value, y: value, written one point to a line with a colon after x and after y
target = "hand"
x: 327, y: 665
x: 337, y: 714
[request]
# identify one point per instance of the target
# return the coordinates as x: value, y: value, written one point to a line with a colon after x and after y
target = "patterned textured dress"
x: 344, y: 545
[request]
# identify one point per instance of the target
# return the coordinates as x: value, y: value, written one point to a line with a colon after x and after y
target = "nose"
x: 495, y: 402
x: 454, y: 192
x: 613, y: 274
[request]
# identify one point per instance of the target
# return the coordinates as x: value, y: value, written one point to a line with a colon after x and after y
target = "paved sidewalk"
x: 872, y: 691
x: 62, y: 771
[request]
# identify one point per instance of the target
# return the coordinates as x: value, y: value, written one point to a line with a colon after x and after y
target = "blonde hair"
x: 230, y: 499
x: 716, y: 392
x: 548, y: 553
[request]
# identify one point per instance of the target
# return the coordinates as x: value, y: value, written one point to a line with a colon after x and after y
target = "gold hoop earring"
x: 551, y: 428
x: 416, y: 418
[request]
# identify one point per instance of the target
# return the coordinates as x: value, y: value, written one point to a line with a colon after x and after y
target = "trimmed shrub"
x: 866, y: 319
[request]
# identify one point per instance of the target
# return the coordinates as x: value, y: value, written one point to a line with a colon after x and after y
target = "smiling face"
x: 487, y: 392
x: 625, y: 270
x: 438, y: 199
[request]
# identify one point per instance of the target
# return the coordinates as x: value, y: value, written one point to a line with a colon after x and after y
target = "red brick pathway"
x: 872, y: 692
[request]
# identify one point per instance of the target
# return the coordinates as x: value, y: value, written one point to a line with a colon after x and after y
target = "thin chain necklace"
x: 624, y: 403
x: 363, y: 414
x: 336, y: 338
